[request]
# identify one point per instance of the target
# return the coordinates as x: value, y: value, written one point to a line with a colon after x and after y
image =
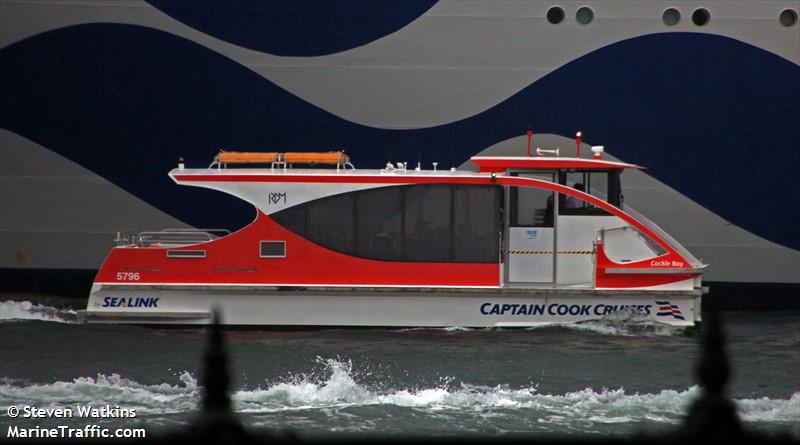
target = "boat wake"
x: 612, y: 327
x: 11, y: 311
x: 629, y: 328
x: 335, y: 392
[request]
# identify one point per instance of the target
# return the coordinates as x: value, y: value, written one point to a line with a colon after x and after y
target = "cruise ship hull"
x: 100, y: 96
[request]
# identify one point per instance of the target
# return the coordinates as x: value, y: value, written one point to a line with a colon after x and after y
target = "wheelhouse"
x: 553, y: 223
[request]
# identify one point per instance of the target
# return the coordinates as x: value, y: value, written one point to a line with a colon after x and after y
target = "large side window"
x: 427, y: 223
x: 379, y: 223
x: 476, y: 223
x: 419, y: 223
x: 330, y: 223
x: 293, y: 218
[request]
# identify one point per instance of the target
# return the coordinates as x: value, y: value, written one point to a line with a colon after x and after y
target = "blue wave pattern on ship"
x: 126, y: 102
x: 296, y: 27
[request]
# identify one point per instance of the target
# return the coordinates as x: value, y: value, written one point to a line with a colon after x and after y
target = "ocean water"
x: 587, y: 379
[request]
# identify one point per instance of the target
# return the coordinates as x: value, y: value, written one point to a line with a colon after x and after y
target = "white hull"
x: 269, y: 306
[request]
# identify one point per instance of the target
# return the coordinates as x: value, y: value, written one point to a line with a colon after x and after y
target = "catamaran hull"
x: 257, y: 306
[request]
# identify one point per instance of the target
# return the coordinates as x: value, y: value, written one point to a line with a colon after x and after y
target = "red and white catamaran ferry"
x: 527, y: 240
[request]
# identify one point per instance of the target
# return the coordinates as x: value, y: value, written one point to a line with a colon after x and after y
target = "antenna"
x: 530, y: 136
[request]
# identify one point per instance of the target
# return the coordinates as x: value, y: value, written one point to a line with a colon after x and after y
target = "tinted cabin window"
x: 531, y: 207
x: 427, y: 223
x: 293, y: 218
x: 598, y: 184
x: 615, y: 188
x: 476, y: 223
x: 330, y: 223
x: 379, y: 223
x: 421, y: 223
x: 595, y: 183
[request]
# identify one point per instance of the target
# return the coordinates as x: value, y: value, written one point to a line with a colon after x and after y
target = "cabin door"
x: 530, y: 233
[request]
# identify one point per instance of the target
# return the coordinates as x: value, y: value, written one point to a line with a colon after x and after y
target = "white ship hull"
x: 386, y: 307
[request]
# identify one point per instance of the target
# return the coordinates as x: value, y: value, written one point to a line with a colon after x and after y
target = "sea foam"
x: 25, y: 310
x: 337, y: 388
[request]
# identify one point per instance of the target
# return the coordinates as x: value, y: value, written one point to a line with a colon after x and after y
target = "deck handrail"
x: 169, y: 237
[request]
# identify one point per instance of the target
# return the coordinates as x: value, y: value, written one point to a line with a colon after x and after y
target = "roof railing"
x: 169, y: 237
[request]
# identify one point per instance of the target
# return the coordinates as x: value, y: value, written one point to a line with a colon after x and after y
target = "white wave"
x: 104, y: 390
x: 770, y: 410
x: 339, y: 389
x: 609, y: 406
x: 628, y: 328
x: 25, y: 310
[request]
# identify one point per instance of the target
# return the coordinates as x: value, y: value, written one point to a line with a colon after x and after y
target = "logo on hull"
x: 137, y: 302
x: 277, y: 198
x: 666, y: 309
x: 561, y: 310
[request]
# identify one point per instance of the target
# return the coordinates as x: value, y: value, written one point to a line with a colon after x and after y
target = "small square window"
x: 273, y: 249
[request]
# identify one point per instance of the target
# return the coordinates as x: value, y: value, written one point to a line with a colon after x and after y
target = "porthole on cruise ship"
x: 701, y: 16
x: 788, y: 17
x: 584, y: 15
x: 555, y: 15
x: 671, y: 16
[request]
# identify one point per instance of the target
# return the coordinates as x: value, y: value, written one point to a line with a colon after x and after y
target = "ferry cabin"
x: 521, y: 222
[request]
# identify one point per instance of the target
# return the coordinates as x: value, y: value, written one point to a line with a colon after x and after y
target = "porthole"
x: 788, y: 17
x: 701, y: 16
x: 671, y: 16
x: 584, y: 15
x: 555, y: 15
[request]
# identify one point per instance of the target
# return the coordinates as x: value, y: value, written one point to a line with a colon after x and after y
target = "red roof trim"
x: 501, y: 163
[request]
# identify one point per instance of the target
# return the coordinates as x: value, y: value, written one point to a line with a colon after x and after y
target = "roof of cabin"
x: 502, y: 163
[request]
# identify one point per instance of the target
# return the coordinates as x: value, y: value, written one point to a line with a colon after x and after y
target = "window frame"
x: 261, y: 248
